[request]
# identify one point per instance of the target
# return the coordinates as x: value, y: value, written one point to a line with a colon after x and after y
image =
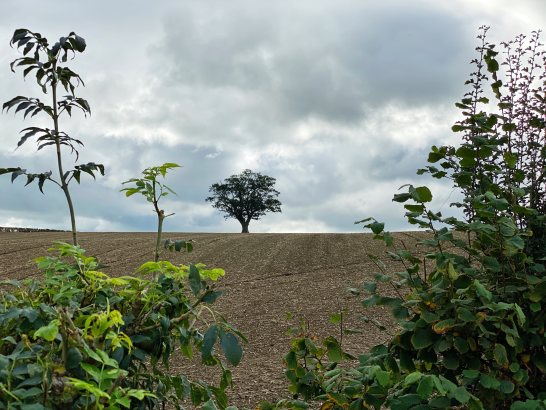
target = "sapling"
x: 153, y: 190
x: 44, y: 61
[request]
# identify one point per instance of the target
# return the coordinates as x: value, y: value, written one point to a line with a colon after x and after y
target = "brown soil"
x: 267, y: 276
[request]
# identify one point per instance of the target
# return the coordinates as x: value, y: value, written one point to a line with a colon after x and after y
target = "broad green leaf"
x: 231, y: 347
x: 452, y: 273
x: 471, y: 374
x: 209, y: 340
x: 382, y: 378
x: 335, y: 354
x: 461, y: 395
x: 424, y: 389
x: 451, y: 361
x: 461, y: 345
x: 421, y: 194
x: 482, y: 291
x: 48, y: 332
x: 499, y: 352
x: 93, y: 371
x: 412, y: 378
x: 489, y: 382
x: 527, y: 405
x: 73, y: 358
x: 195, y: 280
x: 209, y: 405
x: 506, y: 386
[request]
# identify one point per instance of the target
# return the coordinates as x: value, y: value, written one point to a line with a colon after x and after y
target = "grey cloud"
x: 331, y: 64
x: 338, y: 100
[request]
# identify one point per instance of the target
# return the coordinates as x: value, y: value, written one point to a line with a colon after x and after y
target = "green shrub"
x: 80, y: 339
x: 472, y: 312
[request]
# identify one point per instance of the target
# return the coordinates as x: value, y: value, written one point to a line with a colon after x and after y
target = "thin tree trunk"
x: 64, y: 185
x: 160, y: 218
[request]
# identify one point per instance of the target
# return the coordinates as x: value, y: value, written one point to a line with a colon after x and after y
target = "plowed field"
x: 267, y: 275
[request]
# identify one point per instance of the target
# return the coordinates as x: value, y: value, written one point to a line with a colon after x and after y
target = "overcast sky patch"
x: 338, y: 100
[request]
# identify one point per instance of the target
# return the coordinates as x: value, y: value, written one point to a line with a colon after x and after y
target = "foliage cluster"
x: 82, y: 339
x: 472, y: 311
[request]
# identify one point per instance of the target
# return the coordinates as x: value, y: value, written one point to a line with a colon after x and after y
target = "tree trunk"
x: 62, y: 177
x: 160, y: 218
x: 244, y: 225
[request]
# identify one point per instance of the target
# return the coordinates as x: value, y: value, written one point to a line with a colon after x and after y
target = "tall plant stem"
x: 64, y: 185
x: 160, y: 218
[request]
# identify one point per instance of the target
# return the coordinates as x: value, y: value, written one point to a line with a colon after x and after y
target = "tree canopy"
x: 246, y: 196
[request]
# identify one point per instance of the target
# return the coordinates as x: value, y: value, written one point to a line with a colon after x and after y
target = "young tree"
x: 245, y: 197
x: 153, y: 191
x: 43, y: 59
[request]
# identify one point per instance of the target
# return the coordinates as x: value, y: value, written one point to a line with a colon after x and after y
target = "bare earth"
x: 267, y: 275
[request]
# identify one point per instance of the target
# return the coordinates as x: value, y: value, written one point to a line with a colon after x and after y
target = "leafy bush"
x: 82, y: 339
x: 472, y: 312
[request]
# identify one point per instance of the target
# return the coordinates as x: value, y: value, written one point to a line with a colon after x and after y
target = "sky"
x: 339, y: 100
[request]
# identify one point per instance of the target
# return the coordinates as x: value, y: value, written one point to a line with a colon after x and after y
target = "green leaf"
x: 73, y: 358
x: 48, y: 332
x: 401, y: 197
x: 458, y: 128
x: 489, y: 382
x: 93, y: 371
x: 422, y: 338
x: 465, y: 315
x: 527, y: 405
x: 482, y: 291
x: 232, y: 349
x: 412, y: 378
x: 382, y: 377
x: 471, y: 374
x: 509, y: 127
x: 506, y: 386
x: 451, y: 361
x: 195, y: 280
x: 376, y: 227
x: 335, y: 354
x: 424, y: 389
x: 421, y: 194
x: 500, y: 355
x: 209, y: 405
x: 209, y: 340
x: 461, y: 395
x: 461, y: 345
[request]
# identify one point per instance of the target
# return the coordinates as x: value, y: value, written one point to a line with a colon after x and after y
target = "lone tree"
x: 245, y: 197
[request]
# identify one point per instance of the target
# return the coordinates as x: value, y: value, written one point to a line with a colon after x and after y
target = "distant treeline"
x: 11, y: 229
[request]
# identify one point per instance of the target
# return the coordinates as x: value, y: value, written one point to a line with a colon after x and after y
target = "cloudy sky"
x: 339, y: 100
